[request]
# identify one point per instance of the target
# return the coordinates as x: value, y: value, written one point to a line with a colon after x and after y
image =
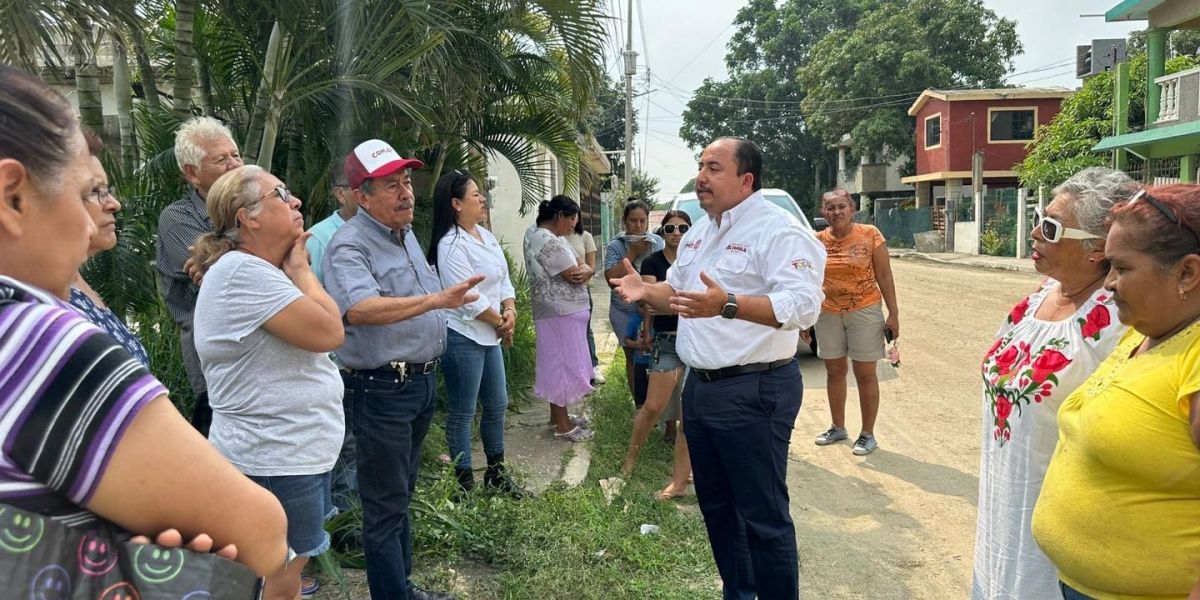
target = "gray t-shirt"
x: 277, y: 408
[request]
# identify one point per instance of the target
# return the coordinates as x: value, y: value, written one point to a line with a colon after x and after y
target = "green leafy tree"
x: 1064, y: 146
x: 861, y: 78
x: 761, y: 99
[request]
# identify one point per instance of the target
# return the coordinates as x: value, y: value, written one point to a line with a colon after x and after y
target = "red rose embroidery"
x: 1003, y: 408
x: 1018, y: 311
x: 1004, y: 362
x: 1047, y: 363
x: 1095, y: 322
x: 992, y: 350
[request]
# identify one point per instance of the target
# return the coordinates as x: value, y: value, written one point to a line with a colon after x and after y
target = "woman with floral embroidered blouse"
x: 1049, y: 343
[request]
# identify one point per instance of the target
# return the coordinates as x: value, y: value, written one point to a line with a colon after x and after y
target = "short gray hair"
x: 194, y: 132
x: 1094, y: 191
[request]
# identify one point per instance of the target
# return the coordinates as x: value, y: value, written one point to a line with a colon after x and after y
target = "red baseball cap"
x: 373, y: 159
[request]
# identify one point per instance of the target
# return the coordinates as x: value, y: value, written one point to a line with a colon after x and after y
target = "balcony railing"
x: 1179, y: 98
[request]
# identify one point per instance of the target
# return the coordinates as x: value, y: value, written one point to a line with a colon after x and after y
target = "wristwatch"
x: 730, y: 309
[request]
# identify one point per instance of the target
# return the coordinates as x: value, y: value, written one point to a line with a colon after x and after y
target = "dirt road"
x: 900, y: 523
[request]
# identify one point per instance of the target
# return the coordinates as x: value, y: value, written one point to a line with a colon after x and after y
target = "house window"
x: 1011, y: 125
x: 933, y: 131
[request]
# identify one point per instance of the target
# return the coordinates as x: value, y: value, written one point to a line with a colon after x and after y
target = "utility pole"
x: 630, y: 70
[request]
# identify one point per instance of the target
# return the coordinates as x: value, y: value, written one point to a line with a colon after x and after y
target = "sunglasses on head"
x: 1054, y: 231
x: 671, y: 227
x: 1166, y: 211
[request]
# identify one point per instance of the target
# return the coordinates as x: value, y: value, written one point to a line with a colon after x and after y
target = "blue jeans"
x: 344, y: 479
x: 591, y: 338
x: 1070, y: 593
x: 738, y: 430
x: 303, y: 501
x: 390, y: 420
x: 473, y: 371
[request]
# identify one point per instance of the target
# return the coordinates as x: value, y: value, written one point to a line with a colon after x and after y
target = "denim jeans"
x: 591, y: 338
x: 1070, y: 593
x: 390, y: 419
x: 473, y: 371
x: 343, y: 487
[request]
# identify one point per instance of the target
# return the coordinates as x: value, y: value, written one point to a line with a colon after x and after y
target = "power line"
x: 700, y: 53
x: 914, y: 94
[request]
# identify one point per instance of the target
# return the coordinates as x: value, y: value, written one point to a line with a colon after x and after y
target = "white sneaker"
x: 598, y: 376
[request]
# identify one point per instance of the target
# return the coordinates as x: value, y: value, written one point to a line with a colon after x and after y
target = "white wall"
x: 966, y: 239
x: 508, y: 224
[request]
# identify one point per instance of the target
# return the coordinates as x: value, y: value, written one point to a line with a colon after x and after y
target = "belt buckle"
x: 401, y: 368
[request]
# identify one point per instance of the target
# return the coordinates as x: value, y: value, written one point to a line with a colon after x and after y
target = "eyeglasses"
x: 1166, y: 211
x: 1054, y: 231
x: 285, y: 195
x: 671, y: 227
x: 100, y: 194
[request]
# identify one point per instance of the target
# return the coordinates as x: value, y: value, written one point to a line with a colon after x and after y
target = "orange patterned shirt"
x: 849, y: 269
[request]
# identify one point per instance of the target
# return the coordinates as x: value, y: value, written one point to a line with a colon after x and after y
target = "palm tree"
x: 185, y: 17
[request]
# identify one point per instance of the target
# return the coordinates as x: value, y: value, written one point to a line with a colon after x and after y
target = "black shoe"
x: 416, y: 593
x: 497, y: 478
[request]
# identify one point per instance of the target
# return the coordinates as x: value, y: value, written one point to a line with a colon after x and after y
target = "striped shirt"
x: 67, y: 393
x: 178, y: 227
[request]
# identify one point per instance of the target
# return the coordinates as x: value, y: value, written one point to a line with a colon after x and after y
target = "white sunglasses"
x: 1053, y: 230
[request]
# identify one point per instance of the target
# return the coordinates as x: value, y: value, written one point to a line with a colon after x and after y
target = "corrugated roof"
x: 988, y: 94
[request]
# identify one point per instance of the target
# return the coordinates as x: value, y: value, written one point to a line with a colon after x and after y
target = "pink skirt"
x: 564, y: 365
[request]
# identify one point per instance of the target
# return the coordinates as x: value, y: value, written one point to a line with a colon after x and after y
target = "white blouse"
x: 1027, y: 373
x: 461, y: 256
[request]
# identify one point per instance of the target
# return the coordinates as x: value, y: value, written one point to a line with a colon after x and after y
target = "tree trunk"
x: 87, y: 78
x: 438, y: 164
x: 145, y: 69
x: 185, y: 16
x: 206, y: 95
x: 124, y: 95
x: 294, y: 158
x: 264, y: 122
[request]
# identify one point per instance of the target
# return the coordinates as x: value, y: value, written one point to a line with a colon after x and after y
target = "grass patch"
x: 567, y: 543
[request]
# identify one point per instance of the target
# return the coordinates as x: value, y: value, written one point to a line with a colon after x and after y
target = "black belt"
x: 401, y: 368
x: 715, y: 374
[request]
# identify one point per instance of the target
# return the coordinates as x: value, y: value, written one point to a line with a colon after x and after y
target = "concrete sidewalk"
x: 977, y: 261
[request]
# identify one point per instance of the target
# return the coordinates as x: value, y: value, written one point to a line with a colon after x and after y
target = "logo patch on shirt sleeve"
x: 801, y: 264
x: 694, y: 244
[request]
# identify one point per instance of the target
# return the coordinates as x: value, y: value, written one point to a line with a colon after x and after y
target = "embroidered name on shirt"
x: 737, y: 248
x: 693, y: 244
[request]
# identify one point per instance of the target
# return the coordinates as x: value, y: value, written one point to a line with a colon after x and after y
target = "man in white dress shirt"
x: 746, y: 281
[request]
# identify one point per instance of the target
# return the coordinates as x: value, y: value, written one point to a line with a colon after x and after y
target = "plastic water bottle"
x: 893, y: 353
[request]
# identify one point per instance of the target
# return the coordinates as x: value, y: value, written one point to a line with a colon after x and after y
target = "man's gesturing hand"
x: 630, y: 287
x: 708, y: 303
x: 459, y: 293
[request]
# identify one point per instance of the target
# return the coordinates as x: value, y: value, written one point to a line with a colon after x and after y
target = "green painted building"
x: 1168, y: 150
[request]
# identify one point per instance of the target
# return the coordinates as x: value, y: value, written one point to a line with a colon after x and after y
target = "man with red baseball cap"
x: 391, y: 301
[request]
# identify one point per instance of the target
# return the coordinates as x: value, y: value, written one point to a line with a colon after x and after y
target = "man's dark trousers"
x: 390, y: 420
x: 738, y: 430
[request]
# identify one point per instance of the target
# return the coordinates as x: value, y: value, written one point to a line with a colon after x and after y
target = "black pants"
x: 201, y: 413
x: 738, y: 431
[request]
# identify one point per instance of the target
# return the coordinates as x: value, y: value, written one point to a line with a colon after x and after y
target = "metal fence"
x: 898, y: 224
x: 999, y: 236
x: 1158, y: 171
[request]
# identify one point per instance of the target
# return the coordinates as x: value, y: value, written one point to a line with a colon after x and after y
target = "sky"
x: 684, y: 42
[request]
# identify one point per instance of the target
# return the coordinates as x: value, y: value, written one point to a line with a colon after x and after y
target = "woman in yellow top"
x: 1119, y: 512
x: 858, y: 279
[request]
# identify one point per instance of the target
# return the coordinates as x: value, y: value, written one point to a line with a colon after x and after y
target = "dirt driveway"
x: 900, y: 523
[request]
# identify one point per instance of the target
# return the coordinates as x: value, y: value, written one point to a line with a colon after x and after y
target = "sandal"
x: 664, y: 496
x: 578, y: 434
x: 309, y: 585
x: 576, y: 421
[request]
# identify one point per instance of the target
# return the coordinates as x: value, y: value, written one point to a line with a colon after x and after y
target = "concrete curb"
x: 996, y: 263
